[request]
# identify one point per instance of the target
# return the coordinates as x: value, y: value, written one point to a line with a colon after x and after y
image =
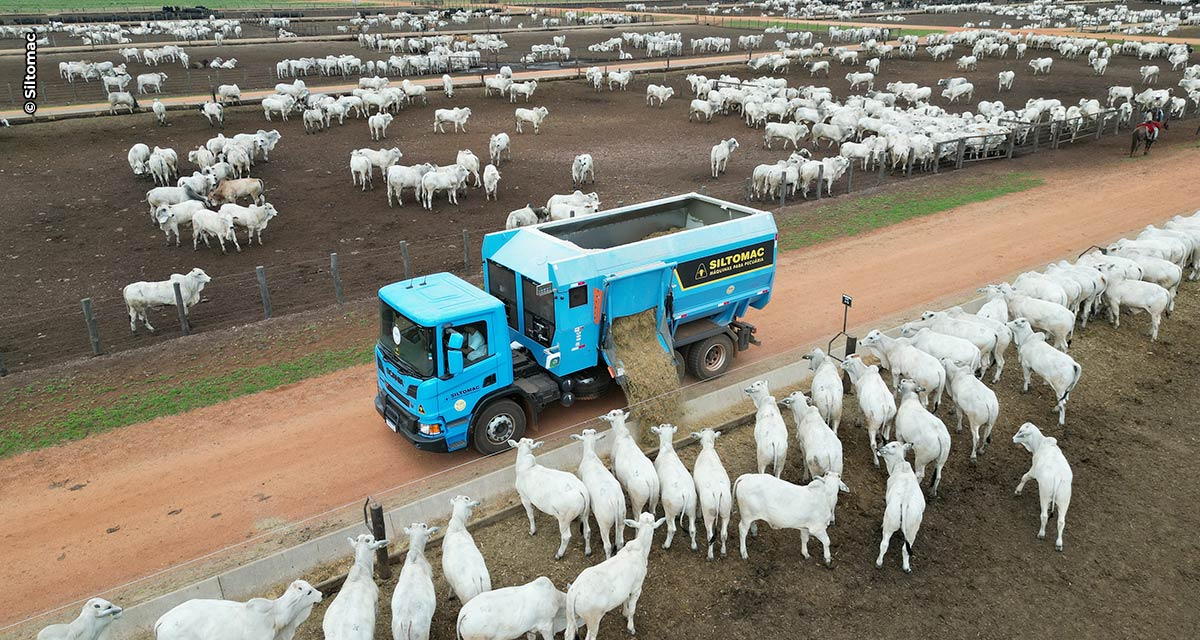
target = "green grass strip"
x: 141, y: 406
x: 852, y: 217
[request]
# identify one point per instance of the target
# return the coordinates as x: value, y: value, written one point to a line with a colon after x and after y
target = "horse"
x: 1141, y: 136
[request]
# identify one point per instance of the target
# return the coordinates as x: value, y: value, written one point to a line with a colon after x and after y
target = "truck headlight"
x: 429, y: 429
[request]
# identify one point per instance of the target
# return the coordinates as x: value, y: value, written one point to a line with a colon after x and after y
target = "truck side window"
x: 577, y: 296
x: 475, y: 346
x: 502, y: 283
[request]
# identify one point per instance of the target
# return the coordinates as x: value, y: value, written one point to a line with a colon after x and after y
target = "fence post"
x: 337, y: 277
x: 466, y: 250
x: 937, y: 156
x: 1012, y: 139
x: 1099, y: 126
x: 379, y: 530
x: 93, y: 330
x: 883, y: 162
x: 404, y: 256
x: 820, y: 179
x: 912, y: 152
x: 185, y: 327
x: 1055, y: 131
x: 962, y: 151
x: 3, y: 369
x: 850, y: 178
x: 262, y: 287
x: 1036, y: 134
x: 746, y: 193
x: 783, y: 192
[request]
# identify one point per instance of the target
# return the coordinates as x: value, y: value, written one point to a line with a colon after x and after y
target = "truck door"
x: 634, y: 291
x: 459, y: 394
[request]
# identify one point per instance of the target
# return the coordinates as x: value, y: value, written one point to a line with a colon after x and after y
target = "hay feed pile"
x: 651, y: 385
x: 665, y: 232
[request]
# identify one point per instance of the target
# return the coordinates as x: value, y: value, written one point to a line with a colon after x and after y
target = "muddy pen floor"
x: 1128, y: 570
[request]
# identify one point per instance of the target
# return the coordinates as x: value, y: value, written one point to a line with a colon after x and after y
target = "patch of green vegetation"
x: 169, y: 399
x: 852, y: 217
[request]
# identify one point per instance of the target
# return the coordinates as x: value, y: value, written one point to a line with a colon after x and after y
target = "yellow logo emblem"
x: 460, y: 404
x: 701, y: 273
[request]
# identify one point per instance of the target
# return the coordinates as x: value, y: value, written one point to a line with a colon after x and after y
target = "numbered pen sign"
x: 847, y: 300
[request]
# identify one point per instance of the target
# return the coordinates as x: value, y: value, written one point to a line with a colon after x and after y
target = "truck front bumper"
x: 401, y: 422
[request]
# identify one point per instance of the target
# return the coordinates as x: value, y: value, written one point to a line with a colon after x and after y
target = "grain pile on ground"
x: 651, y: 383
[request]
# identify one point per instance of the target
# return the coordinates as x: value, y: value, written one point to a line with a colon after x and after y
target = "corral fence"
x: 100, y: 324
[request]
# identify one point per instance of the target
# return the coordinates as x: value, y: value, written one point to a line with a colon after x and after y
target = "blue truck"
x: 461, y: 366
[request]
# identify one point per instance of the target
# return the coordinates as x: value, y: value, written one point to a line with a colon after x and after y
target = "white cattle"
x: 511, y: 612
x: 615, y: 582
x: 351, y: 615
x: 607, y: 498
x: 414, y: 600
x: 462, y: 563
x: 660, y: 93
x: 1057, y: 369
x: 927, y: 433
x: 1052, y: 473
x: 458, y: 116
x: 491, y: 182
x: 526, y: 216
x: 531, y: 116
x: 770, y: 431
x: 903, y: 360
x: 1041, y: 65
x: 498, y: 144
x: 583, y: 169
x: 213, y: 112
x: 713, y: 489
x: 1006, y: 80
x: 150, y: 81
x: 121, y: 99
x: 379, y: 124
x: 974, y: 401
x: 469, y: 161
x: 206, y: 224
x: 677, y: 489
x: 90, y: 624
x: 877, y: 404
x: 401, y: 177
x: 784, y: 505
x: 253, y: 218
x: 138, y: 157
x: 719, y: 156
x: 631, y: 466
x: 255, y: 619
x: 557, y: 493
x: 905, y: 504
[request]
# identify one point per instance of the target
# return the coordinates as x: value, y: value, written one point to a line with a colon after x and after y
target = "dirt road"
x: 97, y: 513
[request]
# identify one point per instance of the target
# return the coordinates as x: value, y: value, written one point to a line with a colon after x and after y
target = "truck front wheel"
x: 710, y: 358
x: 496, y: 424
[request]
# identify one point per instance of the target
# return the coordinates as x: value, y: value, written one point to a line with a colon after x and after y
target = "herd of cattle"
x: 943, y: 357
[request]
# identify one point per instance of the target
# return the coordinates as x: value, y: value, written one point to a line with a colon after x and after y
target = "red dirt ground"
x: 274, y: 448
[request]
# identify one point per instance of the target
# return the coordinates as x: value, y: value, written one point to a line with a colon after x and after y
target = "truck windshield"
x: 410, y: 345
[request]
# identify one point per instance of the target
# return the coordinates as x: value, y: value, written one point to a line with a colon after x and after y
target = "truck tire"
x: 496, y: 424
x: 680, y: 365
x: 711, y: 357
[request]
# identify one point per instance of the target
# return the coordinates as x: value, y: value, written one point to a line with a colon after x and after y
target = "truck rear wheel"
x: 711, y: 357
x: 496, y: 424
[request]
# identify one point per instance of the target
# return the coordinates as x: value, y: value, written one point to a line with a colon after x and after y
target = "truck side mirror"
x: 454, y: 362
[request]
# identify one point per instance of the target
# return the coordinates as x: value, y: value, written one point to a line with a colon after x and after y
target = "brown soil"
x: 978, y: 569
x: 215, y: 457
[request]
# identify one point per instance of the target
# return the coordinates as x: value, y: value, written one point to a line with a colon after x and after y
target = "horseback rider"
x: 1154, y: 118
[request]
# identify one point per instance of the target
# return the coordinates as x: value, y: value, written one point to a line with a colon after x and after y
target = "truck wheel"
x: 498, y: 423
x: 680, y: 365
x: 711, y: 357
